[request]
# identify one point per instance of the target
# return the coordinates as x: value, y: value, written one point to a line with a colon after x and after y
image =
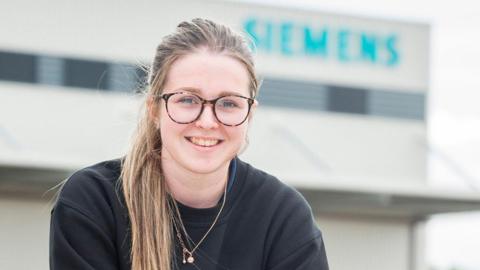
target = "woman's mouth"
x: 204, y: 142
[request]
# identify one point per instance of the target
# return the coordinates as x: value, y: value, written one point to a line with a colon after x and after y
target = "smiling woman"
x: 184, y: 147
x: 181, y: 198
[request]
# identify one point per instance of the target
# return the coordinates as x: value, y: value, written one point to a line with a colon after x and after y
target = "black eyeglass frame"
x: 166, y: 96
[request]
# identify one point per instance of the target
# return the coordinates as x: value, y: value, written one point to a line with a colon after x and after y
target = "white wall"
x: 352, y: 242
x: 366, y: 243
x: 130, y: 30
x: 24, y: 232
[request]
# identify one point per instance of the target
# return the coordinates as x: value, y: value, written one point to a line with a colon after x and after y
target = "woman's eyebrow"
x: 199, y: 92
x: 228, y: 93
x: 192, y: 89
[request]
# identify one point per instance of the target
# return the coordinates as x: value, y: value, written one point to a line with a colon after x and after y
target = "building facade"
x: 342, y: 116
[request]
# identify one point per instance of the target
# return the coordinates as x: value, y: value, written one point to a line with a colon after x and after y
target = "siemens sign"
x: 341, y: 44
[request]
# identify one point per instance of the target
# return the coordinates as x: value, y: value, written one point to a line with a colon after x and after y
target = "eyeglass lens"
x: 186, y: 108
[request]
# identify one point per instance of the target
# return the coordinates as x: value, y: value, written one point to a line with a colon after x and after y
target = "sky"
x: 453, y: 117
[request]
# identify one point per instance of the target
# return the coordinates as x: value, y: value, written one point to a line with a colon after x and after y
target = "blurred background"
x: 369, y: 108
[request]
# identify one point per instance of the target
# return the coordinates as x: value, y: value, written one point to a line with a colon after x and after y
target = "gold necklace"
x: 187, y: 254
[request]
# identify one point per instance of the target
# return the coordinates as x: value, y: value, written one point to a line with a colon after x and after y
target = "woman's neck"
x: 193, y: 189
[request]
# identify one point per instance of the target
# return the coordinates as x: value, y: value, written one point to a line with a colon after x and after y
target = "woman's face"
x: 205, y: 145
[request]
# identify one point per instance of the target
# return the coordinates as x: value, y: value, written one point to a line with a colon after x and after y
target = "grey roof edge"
x: 407, y: 202
x: 34, y: 182
x: 326, y: 197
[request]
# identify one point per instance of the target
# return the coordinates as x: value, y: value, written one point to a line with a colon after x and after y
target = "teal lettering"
x: 342, y: 45
x: 286, y: 38
x: 249, y: 27
x: 315, y: 45
x: 261, y: 42
x: 391, y: 44
x: 368, y: 47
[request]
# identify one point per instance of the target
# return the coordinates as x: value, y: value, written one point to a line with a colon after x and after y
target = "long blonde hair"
x: 142, y: 179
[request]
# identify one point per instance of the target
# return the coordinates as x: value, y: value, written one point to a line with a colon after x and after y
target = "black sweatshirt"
x: 265, y: 224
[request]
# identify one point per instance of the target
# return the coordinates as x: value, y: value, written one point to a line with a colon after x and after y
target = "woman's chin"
x: 206, y: 166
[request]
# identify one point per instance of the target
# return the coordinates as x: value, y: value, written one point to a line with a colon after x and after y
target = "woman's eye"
x: 228, y: 104
x: 188, y: 100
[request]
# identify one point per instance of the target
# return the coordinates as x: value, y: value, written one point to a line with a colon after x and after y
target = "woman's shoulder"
x: 257, y: 178
x: 271, y: 190
x: 103, y: 173
x: 291, y: 228
x: 87, y: 218
x: 92, y: 187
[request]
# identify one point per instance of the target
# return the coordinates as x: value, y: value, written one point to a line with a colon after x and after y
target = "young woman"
x: 181, y: 198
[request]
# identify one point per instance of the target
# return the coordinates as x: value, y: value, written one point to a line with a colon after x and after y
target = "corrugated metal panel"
x: 123, y: 77
x: 318, y: 97
x: 401, y: 105
x: 50, y: 70
x: 294, y: 94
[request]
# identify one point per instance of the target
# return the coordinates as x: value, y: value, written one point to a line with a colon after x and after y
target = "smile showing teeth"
x: 203, y: 142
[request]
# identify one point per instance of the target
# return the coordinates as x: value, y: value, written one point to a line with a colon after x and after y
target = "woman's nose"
x: 207, y: 119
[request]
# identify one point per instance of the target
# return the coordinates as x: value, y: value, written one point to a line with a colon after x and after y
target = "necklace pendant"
x: 183, y: 256
x: 189, y: 256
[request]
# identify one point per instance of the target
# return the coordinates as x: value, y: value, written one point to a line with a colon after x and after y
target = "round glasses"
x: 186, y: 107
